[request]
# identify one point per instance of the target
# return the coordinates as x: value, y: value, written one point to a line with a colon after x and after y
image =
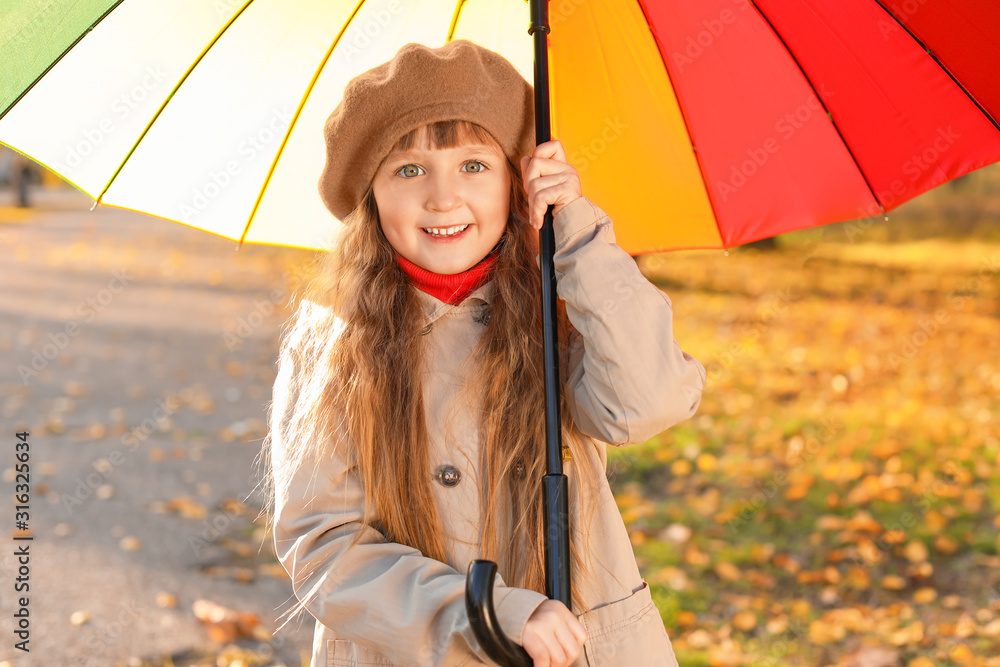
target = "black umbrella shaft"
x: 555, y: 500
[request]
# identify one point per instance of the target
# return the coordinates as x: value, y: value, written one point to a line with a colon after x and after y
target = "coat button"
x: 449, y: 475
x: 427, y: 329
x: 484, y: 317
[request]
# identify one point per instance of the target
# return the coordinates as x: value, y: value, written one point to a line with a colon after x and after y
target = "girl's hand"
x: 548, y: 179
x: 553, y: 635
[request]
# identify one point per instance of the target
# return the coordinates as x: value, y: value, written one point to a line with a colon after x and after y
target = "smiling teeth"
x: 448, y: 231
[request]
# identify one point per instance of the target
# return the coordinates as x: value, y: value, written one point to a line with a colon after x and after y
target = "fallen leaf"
x: 676, y: 533
x: 224, y: 624
x: 694, y: 556
x: 727, y: 571
x: 945, y: 545
x: 831, y: 522
x: 873, y: 656
x: 962, y: 654
x: 991, y: 629
x: 915, y: 552
x: 911, y: 634
x: 164, y: 599
x: 777, y: 625
x: 821, y: 632
x: 863, y: 521
x: 699, y: 639
x: 686, y: 619
x: 187, y: 507
x: 745, y: 620
x: 681, y: 468
x: 130, y: 544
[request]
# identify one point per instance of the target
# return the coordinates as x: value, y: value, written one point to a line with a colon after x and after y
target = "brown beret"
x: 420, y: 85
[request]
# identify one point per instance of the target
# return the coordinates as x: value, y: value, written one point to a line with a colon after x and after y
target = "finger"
x: 557, y: 655
x: 540, y: 166
x: 541, y: 184
x: 537, y: 211
x: 544, y: 161
x: 570, y: 646
x: 559, y: 193
x: 537, y: 649
x: 552, y: 148
x: 534, y: 182
x: 526, y: 171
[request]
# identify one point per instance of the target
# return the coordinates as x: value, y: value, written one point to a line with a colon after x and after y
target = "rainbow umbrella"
x: 704, y: 124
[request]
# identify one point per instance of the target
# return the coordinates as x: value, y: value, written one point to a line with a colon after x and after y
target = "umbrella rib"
x: 61, y: 56
x: 820, y: 100
x: 454, y: 20
x: 169, y: 97
x: 295, y: 118
x: 958, y: 83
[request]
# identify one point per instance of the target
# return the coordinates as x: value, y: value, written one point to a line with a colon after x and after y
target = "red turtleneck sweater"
x: 453, y: 288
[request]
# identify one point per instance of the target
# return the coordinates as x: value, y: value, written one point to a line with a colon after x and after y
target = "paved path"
x: 123, y: 354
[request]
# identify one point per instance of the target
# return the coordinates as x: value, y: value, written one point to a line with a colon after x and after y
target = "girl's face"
x: 443, y: 209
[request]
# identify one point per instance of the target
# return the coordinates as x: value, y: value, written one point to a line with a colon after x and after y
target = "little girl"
x: 407, y: 425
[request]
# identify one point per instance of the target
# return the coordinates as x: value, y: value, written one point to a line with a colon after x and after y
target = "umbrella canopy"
x: 695, y: 125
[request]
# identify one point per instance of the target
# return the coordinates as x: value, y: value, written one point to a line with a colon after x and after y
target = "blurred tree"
x: 763, y: 244
x: 22, y: 171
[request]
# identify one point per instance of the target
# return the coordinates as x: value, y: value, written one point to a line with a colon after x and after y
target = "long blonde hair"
x: 347, y: 393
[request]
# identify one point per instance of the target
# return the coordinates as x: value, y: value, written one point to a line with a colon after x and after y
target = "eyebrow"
x: 469, y: 148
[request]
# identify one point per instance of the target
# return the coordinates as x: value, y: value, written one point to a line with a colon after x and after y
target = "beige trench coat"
x: 627, y: 380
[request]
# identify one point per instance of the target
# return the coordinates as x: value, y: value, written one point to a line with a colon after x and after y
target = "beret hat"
x: 418, y: 86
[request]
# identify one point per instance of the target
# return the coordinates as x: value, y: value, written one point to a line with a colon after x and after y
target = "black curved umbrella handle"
x: 483, y: 618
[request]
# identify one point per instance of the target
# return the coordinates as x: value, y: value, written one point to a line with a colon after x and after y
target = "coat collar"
x: 434, y: 308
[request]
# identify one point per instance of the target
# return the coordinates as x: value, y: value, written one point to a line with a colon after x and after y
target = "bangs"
x: 447, y: 134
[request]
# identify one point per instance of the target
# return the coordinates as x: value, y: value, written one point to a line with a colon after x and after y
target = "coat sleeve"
x: 627, y: 378
x: 380, y: 594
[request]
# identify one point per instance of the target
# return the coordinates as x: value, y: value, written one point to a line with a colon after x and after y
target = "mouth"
x: 445, y: 233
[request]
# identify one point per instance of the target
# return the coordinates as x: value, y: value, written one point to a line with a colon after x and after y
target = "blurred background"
x: 834, y: 501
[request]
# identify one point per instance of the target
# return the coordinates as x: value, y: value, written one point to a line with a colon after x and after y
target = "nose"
x: 442, y: 194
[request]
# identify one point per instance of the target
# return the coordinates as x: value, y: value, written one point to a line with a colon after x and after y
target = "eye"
x: 482, y: 167
x: 407, y: 170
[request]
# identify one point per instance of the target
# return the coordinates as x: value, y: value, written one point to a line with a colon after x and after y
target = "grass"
x: 842, y: 470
